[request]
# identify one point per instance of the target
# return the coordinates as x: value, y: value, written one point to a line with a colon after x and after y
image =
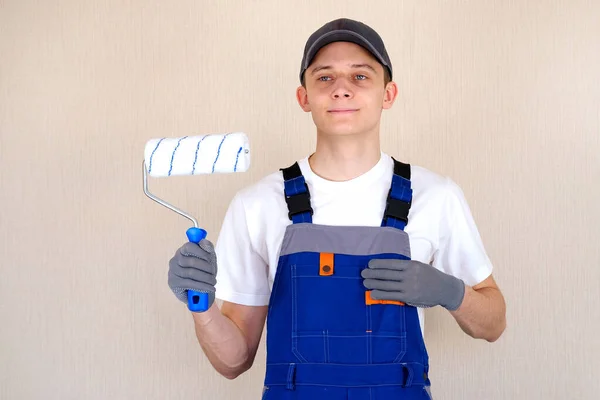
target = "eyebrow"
x: 356, y: 66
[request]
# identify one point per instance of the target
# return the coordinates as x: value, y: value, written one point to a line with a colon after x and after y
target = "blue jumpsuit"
x: 326, y: 338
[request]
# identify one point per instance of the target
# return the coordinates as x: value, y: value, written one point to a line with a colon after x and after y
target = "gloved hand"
x: 194, y: 267
x: 413, y: 283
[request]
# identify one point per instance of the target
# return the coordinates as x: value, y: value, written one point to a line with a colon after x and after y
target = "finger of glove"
x: 207, y: 246
x: 195, y: 263
x: 382, y: 274
x: 393, y: 264
x: 203, y: 251
x: 383, y: 295
x: 195, y: 275
x: 188, y: 267
x: 184, y: 261
x: 199, y: 285
x: 388, y: 286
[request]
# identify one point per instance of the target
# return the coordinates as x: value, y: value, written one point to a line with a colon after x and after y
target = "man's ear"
x: 302, y: 97
x: 390, y: 94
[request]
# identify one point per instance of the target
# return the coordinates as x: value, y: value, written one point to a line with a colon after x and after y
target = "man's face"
x: 345, y: 90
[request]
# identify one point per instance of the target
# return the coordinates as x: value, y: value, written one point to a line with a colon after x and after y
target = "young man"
x: 341, y: 251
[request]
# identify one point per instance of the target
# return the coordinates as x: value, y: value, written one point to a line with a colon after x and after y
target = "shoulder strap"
x: 401, y: 169
x: 297, y: 195
x: 399, y: 197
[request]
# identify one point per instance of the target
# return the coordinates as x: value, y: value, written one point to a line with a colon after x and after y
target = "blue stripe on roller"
x: 173, y: 155
x: 219, y: 152
x: 196, y: 155
x: 152, y: 155
x: 237, y: 157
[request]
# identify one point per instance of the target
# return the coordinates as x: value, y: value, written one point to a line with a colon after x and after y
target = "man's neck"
x: 344, y: 158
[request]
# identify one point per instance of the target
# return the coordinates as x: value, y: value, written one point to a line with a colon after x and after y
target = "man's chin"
x: 340, y: 131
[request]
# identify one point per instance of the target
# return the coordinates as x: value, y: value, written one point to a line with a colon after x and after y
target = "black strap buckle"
x: 299, y: 203
x: 396, y: 208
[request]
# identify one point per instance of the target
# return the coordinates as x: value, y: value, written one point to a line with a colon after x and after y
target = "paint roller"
x: 195, y: 155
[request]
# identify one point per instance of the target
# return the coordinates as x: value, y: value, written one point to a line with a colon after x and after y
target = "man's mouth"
x: 342, y: 110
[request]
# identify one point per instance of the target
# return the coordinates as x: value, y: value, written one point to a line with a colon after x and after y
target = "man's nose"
x: 341, y: 94
x: 341, y: 90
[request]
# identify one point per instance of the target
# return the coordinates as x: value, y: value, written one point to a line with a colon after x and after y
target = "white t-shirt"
x: 440, y: 226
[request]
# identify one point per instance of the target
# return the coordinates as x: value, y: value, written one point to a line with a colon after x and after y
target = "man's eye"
x: 323, y: 78
x: 361, y: 77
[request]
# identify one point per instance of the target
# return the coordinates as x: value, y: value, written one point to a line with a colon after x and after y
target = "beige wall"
x: 504, y: 97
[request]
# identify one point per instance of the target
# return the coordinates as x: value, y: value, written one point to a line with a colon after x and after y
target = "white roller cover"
x: 195, y: 155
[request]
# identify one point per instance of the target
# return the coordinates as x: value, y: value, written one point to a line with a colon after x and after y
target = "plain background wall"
x: 504, y: 97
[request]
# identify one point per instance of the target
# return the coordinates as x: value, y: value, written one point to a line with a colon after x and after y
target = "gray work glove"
x: 194, y: 267
x: 413, y: 283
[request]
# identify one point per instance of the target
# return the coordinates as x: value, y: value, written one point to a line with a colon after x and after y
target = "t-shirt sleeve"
x: 242, y: 274
x: 460, y: 252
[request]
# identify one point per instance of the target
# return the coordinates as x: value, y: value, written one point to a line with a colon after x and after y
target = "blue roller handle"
x: 197, y: 301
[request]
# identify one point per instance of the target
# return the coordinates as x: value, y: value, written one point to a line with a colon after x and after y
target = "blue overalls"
x: 326, y: 338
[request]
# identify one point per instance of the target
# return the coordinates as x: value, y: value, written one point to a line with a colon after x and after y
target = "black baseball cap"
x: 345, y: 30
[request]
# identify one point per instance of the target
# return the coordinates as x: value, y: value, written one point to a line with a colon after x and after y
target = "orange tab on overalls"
x: 369, y: 301
x: 326, y: 264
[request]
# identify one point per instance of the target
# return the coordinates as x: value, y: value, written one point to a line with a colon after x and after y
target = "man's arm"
x: 482, y: 314
x: 230, y: 336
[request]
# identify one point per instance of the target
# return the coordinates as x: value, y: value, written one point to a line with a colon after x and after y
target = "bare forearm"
x: 482, y: 314
x: 222, y: 342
